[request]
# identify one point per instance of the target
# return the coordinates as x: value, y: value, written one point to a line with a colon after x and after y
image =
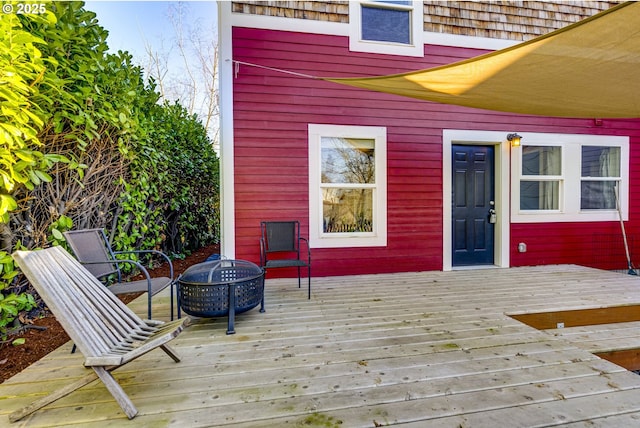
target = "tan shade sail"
x: 590, y: 69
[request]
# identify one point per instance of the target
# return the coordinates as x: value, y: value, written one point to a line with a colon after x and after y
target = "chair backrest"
x: 280, y: 235
x: 95, y: 319
x: 91, y: 245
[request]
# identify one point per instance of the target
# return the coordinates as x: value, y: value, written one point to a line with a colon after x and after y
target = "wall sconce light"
x: 514, y: 139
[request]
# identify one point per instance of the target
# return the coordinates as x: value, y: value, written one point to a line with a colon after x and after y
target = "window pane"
x: 386, y: 25
x: 347, y: 210
x: 347, y: 160
x: 539, y: 195
x: 598, y: 195
x: 600, y: 161
x: 541, y: 160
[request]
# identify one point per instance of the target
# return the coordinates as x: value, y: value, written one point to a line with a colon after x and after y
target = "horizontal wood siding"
x: 272, y: 111
x: 588, y: 244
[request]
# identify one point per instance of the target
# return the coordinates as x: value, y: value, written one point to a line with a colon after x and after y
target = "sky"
x: 131, y: 24
x: 134, y: 25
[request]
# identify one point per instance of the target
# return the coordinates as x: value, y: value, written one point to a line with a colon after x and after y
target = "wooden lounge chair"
x: 103, y: 328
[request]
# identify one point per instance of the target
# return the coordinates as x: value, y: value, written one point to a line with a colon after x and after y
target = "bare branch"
x: 196, y: 48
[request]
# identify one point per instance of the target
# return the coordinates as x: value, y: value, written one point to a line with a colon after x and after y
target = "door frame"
x: 502, y: 173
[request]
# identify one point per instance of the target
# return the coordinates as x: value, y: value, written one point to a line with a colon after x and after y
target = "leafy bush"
x: 22, y: 163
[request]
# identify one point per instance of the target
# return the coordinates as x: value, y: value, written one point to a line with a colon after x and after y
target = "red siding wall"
x: 272, y: 111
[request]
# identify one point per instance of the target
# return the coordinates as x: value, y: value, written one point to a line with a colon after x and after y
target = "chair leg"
x: 178, y: 301
x: 298, y: 276
x: 171, y: 288
x: 309, y: 276
x: 63, y: 392
x: 170, y: 352
x: 116, y: 390
x: 149, y: 303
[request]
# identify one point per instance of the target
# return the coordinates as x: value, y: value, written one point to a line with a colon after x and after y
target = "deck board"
x: 412, y: 348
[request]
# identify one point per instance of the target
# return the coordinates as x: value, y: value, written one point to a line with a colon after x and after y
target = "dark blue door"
x: 472, y: 202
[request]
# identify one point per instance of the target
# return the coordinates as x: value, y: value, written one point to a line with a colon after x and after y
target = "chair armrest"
x: 160, y: 253
x: 308, y: 248
x: 142, y: 269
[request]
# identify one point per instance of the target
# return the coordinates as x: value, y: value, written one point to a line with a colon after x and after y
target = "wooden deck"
x: 432, y: 349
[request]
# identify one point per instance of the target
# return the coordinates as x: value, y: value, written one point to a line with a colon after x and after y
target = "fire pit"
x: 221, y: 287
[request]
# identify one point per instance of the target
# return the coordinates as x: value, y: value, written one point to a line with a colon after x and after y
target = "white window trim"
x: 356, y: 44
x: 377, y: 238
x: 569, y: 203
x: 339, y: 29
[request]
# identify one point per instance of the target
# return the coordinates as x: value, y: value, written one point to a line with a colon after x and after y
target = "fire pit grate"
x: 221, y: 287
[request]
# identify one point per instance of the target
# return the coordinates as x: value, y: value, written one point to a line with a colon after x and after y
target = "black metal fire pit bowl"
x: 221, y: 287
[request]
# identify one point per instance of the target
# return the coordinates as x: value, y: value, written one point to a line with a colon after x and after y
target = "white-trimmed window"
x: 568, y: 178
x: 347, y: 186
x: 386, y: 27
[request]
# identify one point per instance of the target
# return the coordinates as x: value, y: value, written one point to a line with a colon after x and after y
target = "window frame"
x: 548, y: 178
x: 357, y: 44
x: 569, y: 204
x: 600, y: 178
x: 378, y: 236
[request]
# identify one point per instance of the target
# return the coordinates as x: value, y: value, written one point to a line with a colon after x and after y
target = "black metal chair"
x: 280, y: 248
x: 91, y: 248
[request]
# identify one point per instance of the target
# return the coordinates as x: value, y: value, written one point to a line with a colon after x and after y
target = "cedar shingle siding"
x: 510, y: 20
x: 333, y: 11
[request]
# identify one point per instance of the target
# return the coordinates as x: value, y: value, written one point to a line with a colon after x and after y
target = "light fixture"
x: 514, y: 139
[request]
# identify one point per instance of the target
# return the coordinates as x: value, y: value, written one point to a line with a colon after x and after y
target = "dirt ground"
x: 46, y: 334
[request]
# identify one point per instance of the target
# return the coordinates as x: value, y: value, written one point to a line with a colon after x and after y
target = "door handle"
x: 493, y: 217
